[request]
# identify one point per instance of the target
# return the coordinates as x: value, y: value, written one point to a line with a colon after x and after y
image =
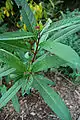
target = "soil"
x: 33, y: 106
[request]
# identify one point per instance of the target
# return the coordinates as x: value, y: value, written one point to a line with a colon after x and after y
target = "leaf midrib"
x: 48, y: 93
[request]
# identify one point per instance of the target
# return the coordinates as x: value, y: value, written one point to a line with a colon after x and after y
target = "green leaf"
x: 63, y: 23
x: 9, y: 47
x: 4, y: 68
x: 24, y: 86
x: 12, y: 60
x: 27, y: 15
x: 14, y: 46
x: 46, y: 26
x: 64, y: 52
x: 7, y: 72
x: 46, y: 80
x: 10, y: 93
x: 16, y: 103
x: 27, y: 85
x: 47, y: 61
x: 3, y: 90
x: 60, y: 35
x: 44, y: 38
x: 51, y: 98
x: 16, y: 35
x: 14, y: 76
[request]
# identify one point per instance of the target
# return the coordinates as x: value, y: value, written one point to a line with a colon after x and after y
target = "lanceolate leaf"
x: 51, y: 98
x: 3, y: 90
x: 16, y: 103
x: 12, y: 60
x: 46, y: 26
x: 61, y: 34
x: 25, y: 81
x: 7, y: 72
x: 63, y: 23
x: 10, y: 93
x: 27, y: 85
x: 64, y: 52
x: 44, y: 37
x: 13, y: 46
x: 16, y: 35
x: 47, y: 61
x: 46, y: 80
x: 4, y: 68
x: 27, y: 15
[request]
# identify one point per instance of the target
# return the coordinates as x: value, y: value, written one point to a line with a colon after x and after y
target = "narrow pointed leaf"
x: 46, y: 80
x: 24, y: 86
x: 3, y: 90
x: 18, y: 35
x: 27, y: 15
x: 16, y: 103
x: 4, y: 68
x: 44, y: 38
x: 46, y: 26
x: 12, y: 60
x: 7, y: 72
x: 13, y: 46
x: 51, y: 98
x: 61, y: 34
x: 10, y: 93
x: 64, y: 52
x: 47, y: 61
x: 63, y: 23
x: 27, y: 85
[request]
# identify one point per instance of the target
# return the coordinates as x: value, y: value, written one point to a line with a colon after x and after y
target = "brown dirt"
x: 34, y: 108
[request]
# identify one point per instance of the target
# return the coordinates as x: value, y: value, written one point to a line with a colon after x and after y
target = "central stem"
x: 37, y: 44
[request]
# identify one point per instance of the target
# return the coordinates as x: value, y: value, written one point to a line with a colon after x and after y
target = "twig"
x: 77, y: 93
x: 22, y: 117
x: 27, y: 108
x: 6, y: 117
